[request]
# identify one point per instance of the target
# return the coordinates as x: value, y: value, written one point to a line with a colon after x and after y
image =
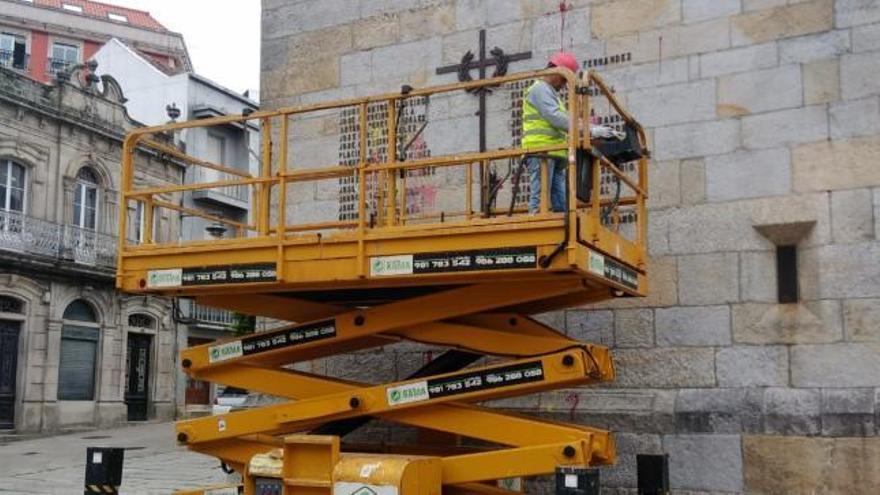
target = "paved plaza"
x: 154, y: 464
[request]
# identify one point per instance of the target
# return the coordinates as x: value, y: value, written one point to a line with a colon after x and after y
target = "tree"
x: 243, y: 324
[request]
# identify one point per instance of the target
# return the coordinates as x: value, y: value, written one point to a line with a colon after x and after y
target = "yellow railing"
x: 269, y: 216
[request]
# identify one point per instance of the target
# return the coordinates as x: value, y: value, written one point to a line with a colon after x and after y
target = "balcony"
x: 13, y: 60
x: 206, y: 316
x: 56, y: 65
x: 88, y: 247
x: 32, y: 236
x: 236, y: 196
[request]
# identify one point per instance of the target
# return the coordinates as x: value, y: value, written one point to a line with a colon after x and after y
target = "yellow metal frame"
x: 323, y: 280
x: 306, y: 254
x: 532, y: 446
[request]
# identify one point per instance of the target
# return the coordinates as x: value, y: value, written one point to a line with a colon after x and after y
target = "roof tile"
x: 98, y: 10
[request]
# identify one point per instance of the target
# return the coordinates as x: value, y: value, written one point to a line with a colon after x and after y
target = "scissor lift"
x: 469, y: 283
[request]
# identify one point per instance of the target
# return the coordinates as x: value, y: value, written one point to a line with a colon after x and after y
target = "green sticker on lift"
x: 597, y: 264
x: 157, y: 279
x: 409, y: 392
x: 612, y: 270
x: 222, y: 352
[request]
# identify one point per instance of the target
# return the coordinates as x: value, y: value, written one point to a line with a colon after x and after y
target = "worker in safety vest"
x: 545, y: 123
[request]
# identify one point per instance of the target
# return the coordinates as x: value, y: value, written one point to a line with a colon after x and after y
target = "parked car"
x: 228, y: 399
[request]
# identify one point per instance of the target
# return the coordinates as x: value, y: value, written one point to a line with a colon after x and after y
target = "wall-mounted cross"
x: 499, y: 60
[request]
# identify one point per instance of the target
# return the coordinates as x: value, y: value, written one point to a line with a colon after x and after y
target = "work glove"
x: 601, y: 131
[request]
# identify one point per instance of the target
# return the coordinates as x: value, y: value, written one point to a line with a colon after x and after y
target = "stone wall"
x: 764, y: 122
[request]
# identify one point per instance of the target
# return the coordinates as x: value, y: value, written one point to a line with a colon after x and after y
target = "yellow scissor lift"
x: 467, y: 281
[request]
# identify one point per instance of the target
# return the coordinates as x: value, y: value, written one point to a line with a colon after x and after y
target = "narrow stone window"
x: 786, y: 274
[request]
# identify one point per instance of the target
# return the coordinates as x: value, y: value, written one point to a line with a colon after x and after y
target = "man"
x: 545, y: 123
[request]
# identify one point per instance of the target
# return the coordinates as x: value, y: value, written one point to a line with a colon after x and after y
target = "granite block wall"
x: 764, y: 123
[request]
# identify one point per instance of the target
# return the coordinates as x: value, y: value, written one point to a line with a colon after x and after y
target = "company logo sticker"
x: 597, y: 264
x: 404, y: 394
x: 222, y: 352
x: 157, y: 279
x: 383, y: 266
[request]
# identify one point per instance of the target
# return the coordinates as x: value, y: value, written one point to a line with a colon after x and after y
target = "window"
x: 79, y: 351
x: 85, y: 199
x: 11, y: 305
x: 786, y: 274
x: 12, y: 186
x: 139, y: 219
x: 64, y: 55
x: 216, y: 153
x: 216, y: 148
x: 73, y: 8
x: 80, y: 310
x: 137, y: 223
x: 13, y: 51
x: 117, y: 17
x: 140, y: 320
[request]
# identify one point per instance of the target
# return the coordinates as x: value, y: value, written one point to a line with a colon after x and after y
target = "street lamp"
x: 216, y: 230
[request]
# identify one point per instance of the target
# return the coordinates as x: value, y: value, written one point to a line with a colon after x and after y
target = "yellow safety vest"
x: 536, y: 131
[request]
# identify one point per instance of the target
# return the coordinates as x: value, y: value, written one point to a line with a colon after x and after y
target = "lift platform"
x: 466, y: 276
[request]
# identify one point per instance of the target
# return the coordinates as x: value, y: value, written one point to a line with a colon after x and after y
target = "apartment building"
x: 153, y: 97
x: 43, y: 37
x: 74, y: 352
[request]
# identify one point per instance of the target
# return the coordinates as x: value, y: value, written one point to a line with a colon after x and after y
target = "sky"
x: 222, y: 36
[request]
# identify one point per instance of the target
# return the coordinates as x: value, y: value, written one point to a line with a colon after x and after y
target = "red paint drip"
x: 563, y: 9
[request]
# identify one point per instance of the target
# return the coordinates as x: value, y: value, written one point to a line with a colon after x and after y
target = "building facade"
x: 43, y: 37
x: 755, y: 360
x: 154, y: 97
x: 73, y: 352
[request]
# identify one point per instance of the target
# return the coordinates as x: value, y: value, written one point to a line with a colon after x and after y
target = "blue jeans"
x: 558, y: 176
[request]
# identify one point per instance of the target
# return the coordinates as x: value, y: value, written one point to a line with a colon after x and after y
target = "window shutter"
x: 76, y: 371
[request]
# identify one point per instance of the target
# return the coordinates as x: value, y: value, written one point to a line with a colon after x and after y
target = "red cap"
x: 565, y: 59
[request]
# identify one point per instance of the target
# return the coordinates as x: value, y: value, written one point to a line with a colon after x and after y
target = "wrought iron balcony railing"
x: 239, y: 193
x: 27, y: 235
x: 9, y: 60
x: 56, y: 65
x: 197, y: 313
x: 88, y: 247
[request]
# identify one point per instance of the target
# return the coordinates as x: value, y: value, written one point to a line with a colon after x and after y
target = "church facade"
x: 755, y: 360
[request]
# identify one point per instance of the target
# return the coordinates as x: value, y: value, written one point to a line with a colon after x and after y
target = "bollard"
x: 653, y: 474
x: 577, y: 481
x: 103, y: 470
x: 268, y: 486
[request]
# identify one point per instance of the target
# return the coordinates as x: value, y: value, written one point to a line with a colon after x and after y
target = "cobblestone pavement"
x: 154, y: 464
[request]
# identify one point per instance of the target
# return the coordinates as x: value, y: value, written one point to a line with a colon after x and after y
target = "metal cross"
x: 499, y: 60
